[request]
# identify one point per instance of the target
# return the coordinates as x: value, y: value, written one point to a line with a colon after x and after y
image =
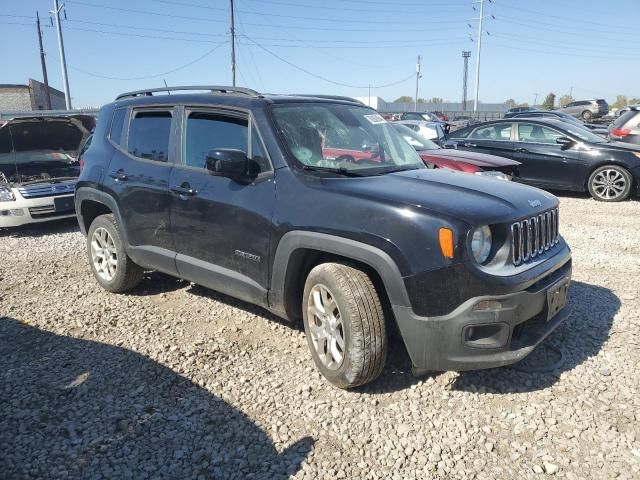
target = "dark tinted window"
x: 149, y: 135
x: 207, y: 131
x: 117, y: 125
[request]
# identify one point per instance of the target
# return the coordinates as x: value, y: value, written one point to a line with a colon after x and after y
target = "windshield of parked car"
x: 343, y: 138
x: 417, y: 141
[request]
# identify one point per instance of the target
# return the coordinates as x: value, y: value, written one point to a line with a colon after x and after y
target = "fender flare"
x: 372, y: 256
x: 86, y: 193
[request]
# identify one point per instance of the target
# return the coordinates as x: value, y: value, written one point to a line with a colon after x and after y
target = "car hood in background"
x: 473, y: 158
x: 36, y: 149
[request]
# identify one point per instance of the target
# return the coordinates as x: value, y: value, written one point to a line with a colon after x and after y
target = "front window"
x: 343, y: 138
x: 532, y: 133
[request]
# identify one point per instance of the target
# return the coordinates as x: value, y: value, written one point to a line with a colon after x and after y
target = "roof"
x: 13, y: 85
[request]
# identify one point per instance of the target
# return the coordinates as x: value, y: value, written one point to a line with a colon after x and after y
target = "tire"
x: 103, y: 250
x: 610, y: 183
x: 587, y: 115
x: 356, y: 317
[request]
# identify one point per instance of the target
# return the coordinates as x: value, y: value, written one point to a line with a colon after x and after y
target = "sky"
x: 340, y: 47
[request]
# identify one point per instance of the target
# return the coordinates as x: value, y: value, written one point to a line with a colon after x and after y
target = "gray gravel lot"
x: 177, y: 381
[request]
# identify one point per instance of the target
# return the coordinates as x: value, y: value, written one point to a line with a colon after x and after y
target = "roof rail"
x: 328, y: 97
x: 212, y: 88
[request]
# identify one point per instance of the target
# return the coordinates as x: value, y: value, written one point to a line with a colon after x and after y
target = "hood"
x: 473, y: 199
x: 41, y: 148
x: 473, y: 158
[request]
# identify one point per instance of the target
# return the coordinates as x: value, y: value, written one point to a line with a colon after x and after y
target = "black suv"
x: 315, y: 209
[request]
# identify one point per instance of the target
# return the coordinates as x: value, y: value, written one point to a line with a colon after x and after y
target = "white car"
x: 39, y: 167
x: 429, y: 130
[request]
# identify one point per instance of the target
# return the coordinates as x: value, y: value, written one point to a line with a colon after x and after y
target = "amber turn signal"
x: 445, y: 236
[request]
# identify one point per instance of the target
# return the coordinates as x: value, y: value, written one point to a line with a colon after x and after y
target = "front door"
x: 138, y: 177
x: 544, y: 162
x: 222, y: 228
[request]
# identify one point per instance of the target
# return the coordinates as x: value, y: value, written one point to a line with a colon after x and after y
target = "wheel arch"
x: 90, y: 204
x: 299, y: 251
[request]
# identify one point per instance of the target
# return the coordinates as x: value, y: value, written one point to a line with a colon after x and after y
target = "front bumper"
x: 470, y: 339
x: 23, y: 211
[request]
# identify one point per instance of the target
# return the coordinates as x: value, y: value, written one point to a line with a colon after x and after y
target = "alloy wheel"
x: 326, y: 327
x: 609, y: 184
x: 103, y: 254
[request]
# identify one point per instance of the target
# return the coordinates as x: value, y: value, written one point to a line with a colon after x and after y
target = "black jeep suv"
x: 258, y: 197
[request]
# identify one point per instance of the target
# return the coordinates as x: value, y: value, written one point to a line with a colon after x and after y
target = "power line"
x: 320, y: 77
x: 342, y: 8
x: 145, y: 77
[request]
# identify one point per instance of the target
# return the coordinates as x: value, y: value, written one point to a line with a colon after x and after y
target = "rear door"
x: 494, y: 139
x: 544, y: 162
x: 222, y: 228
x: 138, y: 178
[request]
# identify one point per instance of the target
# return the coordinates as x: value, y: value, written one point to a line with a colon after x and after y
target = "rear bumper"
x: 470, y: 339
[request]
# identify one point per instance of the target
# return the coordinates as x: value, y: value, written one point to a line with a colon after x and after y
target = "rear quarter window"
x: 117, y: 125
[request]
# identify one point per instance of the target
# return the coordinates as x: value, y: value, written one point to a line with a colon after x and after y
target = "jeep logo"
x: 535, y: 203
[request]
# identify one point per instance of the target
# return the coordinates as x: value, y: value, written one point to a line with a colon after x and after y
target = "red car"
x: 468, y: 162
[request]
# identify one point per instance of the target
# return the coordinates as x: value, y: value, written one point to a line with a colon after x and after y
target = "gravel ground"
x: 177, y: 381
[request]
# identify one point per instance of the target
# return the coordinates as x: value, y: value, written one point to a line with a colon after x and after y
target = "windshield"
x: 345, y: 138
x: 417, y: 141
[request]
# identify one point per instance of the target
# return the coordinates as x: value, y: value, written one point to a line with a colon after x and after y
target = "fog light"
x: 15, y: 212
x: 492, y: 335
x: 486, y: 305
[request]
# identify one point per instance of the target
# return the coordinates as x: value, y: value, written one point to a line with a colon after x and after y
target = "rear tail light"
x: 81, y: 161
x: 620, y: 132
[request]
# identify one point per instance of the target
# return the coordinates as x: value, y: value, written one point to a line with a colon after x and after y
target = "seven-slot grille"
x: 534, y: 236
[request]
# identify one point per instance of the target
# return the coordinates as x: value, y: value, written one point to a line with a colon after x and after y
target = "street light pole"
x: 415, y: 104
x: 63, y: 62
x: 475, y: 103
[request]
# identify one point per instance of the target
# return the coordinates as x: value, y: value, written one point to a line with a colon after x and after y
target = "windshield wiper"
x: 397, y: 169
x: 339, y: 170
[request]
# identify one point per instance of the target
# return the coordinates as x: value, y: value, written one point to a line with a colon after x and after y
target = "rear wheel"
x: 610, y: 183
x: 344, y: 324
x: 587, y: 115
x: 110, y: 264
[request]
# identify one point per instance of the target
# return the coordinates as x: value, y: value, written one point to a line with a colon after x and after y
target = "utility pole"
x: 63, y: 62
x: 535, y: 100
x: 369, y: 104
x: 47, y: 94
x: 571, y: 91
x: 465, y: 55
x: 233, y: 47
x: 480, y: 19
x: 415, y: 104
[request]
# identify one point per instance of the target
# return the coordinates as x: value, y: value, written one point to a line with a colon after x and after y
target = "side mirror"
x: 564, y: 141
x: 229, y: 163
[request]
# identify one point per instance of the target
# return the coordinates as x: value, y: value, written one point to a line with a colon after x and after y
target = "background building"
x: 30, y: 97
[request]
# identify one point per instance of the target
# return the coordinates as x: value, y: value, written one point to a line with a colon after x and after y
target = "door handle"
x: 467, y: 144
x: 184, y: 191
x: 521, y: 150
x: 118, y: 175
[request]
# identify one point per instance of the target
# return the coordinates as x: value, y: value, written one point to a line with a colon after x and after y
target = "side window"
x: 493, y: 132
x: 117, y: 125
x: 207, y: 130
x: 149, y: 134
x: 536, y: 134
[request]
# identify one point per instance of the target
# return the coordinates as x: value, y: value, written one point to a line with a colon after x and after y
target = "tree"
x: 549, y: 102
x: 621, y: 101
x: 565, y: 100
x: 525, y: 104
x: 634, y: 101
x: 510, y: 103
x: 404, y: 99
x: 436, y: 100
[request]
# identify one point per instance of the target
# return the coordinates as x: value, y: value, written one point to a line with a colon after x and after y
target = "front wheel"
x: 610, y: 183
x: 344, y: 324
x: 587, y: 115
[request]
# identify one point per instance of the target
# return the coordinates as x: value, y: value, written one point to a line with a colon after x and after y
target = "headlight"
x: 494, y: 174
x: 6, y: 195
x: 481, y: 243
